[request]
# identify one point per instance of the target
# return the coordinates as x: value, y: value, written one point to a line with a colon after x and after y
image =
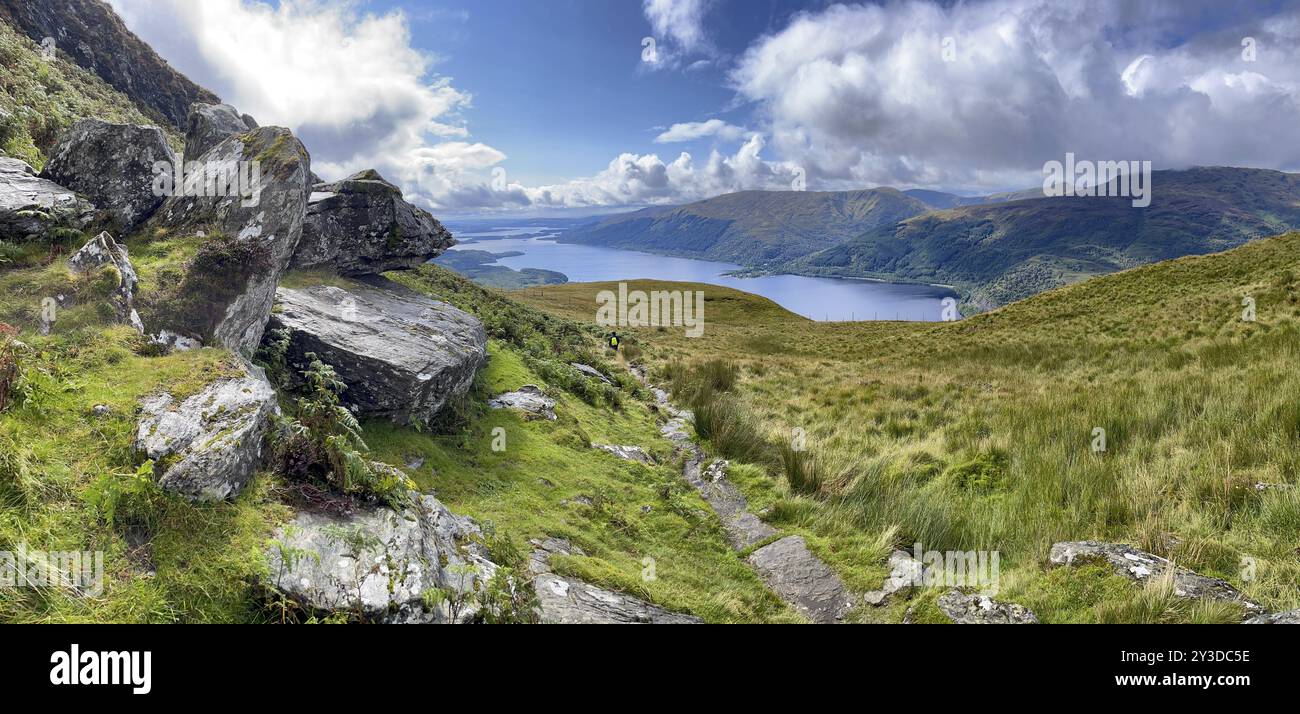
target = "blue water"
x: 815, y: 298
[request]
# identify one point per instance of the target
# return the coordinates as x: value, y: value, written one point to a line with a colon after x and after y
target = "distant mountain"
x: 939, y: 199
x: 752, y: 227
x: 97, y: 39
x: 998, y: 253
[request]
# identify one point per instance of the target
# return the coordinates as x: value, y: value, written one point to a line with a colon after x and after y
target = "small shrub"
x: 324, y: 441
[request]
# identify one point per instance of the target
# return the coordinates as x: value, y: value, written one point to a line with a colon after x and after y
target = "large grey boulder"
x: 1141, y: 566
x: 210, y: 124
x: 362, y: 225
x: 402, y: 355
x: 268, y: 217
x: 383, y: 564
x: 102, y: 251
x: 113, y: 165
x: 974, y: 609
x: 205, y: 447
x: 801, y: 579
x: 31, y: 207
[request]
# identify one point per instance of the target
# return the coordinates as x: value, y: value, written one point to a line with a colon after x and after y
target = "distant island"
x: 477, y: 265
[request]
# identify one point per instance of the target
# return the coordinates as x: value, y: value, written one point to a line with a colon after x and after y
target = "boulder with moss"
x: 32, y: 208
x: 206, y: 446
x: 104, y: 255
x: 402, y: 355
x: 362, y: 225
x: 253, y: 233
x: 113, y: 165
x: 418, y: 564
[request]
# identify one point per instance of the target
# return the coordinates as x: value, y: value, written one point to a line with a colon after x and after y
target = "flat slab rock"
x: 402, y: 355
x: 380, y: 562
x: 974, y: 609
x: 1140, y: 566
x: 528, y: 399
x: 627, y: 453
x: 207, y: 446
x: 1290, y: 617
x: 803, y: 580
x: 566, y: 601
x: 744, y: 529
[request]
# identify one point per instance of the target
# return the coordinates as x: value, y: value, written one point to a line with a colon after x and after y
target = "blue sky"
x: 534, y: 107
x: 537, y: 68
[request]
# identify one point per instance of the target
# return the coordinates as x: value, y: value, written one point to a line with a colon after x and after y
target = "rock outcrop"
x: 268, y: 217
x: 362, y: 226
x: 402, y: 355
x: 801, y: 579
x: 100, y: 252
x: 529, y: 400
x: 31, y: 207
x: 1140, y: 566
x: 383, y: 564
x: 113, y: 166
x: 568, y: 601
x: 210, y: 124
x: 205, y: 447
x: 965, y: 609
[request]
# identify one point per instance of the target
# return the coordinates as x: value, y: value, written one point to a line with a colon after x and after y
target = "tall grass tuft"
x: 800, y: 468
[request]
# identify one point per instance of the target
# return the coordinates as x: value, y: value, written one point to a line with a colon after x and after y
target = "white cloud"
x: 633, y: 179
x: 349, y: 84
x: 681, y: 21
x: 863, y: 94
x: 691, y: 131
x: 678, y: 27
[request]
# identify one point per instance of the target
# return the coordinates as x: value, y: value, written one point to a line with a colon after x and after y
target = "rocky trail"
x: 797, y: 576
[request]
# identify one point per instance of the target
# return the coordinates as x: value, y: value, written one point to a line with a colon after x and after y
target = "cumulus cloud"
x: 982, y: 94
x: 691, y: 131
x: 633, y: 179
x: 678, y: 27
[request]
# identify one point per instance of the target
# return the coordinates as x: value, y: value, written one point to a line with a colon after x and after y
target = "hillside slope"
x: 752, y: 227
x: 1003, y: 252
x: 94, y: 36
x: 980, y: 434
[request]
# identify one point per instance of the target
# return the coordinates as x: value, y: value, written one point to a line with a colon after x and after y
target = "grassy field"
x: 980, y: 434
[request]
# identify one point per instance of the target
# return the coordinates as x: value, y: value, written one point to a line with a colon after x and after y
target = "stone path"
x: 797, y: 576
x: 569, y: 601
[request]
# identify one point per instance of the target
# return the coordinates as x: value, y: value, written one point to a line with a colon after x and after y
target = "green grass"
x: 45, y: 98
x: 978, y: 434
